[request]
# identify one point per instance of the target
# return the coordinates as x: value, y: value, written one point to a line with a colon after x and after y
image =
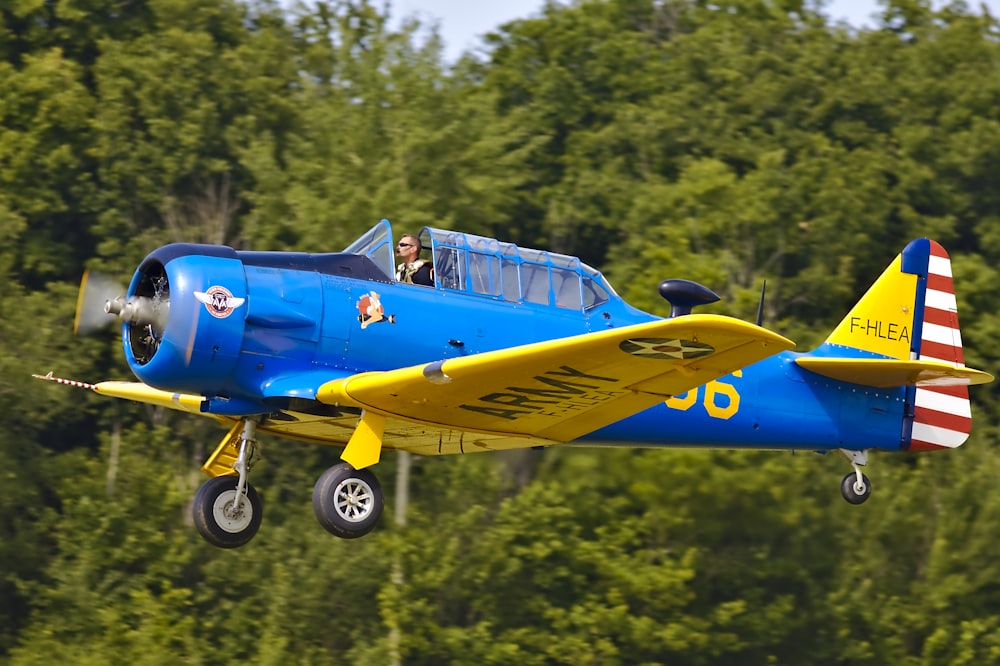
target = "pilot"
x: 413, y: 270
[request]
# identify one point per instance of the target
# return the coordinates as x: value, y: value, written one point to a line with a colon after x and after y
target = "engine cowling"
x: 231, y: 325
x: 183, y: 317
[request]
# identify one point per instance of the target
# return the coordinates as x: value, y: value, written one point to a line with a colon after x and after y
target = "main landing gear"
x: 227, y: 510
x: 856, y: 487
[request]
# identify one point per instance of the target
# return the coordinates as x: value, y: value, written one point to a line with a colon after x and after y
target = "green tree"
x: 726, y: 143
x: 178, y: 103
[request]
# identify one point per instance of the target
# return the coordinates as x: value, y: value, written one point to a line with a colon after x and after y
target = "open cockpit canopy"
x: 494, y: 269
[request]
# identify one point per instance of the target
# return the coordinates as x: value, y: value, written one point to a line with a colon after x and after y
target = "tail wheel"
x: 347, y: 502
x: 853, y: 491
x: 222, y: 520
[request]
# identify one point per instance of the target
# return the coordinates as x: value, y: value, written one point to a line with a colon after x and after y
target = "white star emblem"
x: 665, y: 348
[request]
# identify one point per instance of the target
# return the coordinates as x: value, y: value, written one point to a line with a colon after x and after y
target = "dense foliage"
x: 727, y: 142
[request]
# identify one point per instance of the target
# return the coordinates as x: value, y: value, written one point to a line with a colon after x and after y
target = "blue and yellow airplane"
x: 510, y: 348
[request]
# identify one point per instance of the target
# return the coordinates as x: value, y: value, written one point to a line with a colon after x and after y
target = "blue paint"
x: 282, y: 324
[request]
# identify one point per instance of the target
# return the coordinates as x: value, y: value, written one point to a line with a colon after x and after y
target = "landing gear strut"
x: 856, y: 487
x: 227, y: 509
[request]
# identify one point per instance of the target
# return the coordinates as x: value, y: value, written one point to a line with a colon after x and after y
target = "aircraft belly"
x: 399, y: 435
x: 771, y: 429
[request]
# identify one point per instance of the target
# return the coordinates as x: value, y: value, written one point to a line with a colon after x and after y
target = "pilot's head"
x: 408, y: 248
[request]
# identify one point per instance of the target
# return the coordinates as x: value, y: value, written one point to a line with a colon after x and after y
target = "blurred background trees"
x: 726, y: 142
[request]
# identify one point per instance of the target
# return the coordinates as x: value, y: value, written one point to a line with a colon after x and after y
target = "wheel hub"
x: 354, y: 500
x: 231, y: 516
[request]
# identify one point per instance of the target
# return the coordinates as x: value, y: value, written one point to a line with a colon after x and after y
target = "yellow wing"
x: 561, y: 389
x: 138, y: 392
x: 542, y: 393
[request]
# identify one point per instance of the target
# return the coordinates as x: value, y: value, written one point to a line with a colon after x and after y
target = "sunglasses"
x: 405, y: 245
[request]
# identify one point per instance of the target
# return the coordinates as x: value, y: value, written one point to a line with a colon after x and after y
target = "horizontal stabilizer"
x: 889, y: 372
x: 910, y: 317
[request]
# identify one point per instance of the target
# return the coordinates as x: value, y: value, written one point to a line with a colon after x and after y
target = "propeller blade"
x: 95, y: 290
x: 760, y: 304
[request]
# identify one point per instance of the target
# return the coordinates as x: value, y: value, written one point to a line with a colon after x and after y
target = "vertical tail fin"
x: 910, y: 313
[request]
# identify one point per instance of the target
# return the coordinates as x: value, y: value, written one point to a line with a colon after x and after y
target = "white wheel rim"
x: 229, y: 519
x: 353, y: 500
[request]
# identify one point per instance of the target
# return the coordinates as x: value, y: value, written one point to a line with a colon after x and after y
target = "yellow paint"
x: 714, y: 392
x: 684, y: 401
x: 365, y: 446
x: 79, y: 301
x: 560, y: 389
x: 139, y: 392
x: 732, y: 402
x: 888, y: 373
x: 334, y: 392
x: 221, y: 461
x: 882, y: 321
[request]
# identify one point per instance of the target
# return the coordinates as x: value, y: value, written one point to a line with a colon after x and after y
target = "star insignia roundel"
x: 666, y: 348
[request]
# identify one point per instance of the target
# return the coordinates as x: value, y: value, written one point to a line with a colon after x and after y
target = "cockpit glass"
x: 376, y: 244
x: 494, y: 269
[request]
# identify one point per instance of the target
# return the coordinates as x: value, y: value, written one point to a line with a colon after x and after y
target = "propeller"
x: 101, y: 302
x: 760, y: 304
x: 96, y: 291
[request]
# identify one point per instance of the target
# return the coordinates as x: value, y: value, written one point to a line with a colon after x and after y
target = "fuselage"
x: 254, y: 330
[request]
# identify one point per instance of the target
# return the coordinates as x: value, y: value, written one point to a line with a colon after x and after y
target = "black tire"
x: 347, y: 502
x: 850, y: 491
x: 215, y: 519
